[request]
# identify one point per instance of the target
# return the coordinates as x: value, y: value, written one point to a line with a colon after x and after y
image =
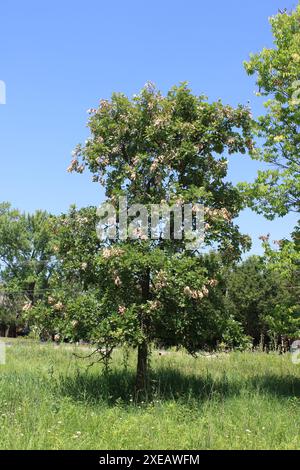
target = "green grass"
x: 49, y: 400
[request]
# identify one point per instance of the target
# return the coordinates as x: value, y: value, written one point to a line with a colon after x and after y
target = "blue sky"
x: 59, y: 58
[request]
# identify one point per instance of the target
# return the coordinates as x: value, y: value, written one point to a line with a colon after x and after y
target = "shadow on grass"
x: 285, y: 386
x: 118, y: 386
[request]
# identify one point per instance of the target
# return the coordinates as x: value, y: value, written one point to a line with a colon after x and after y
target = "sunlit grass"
x: 49, y: 400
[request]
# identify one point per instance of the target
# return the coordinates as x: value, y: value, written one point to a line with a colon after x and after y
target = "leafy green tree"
x: 152, y: 150
x: 284, y: 263
x: 253, y: 292
x: 76, y: 246
x: 263, y: 294
x: 276, y: 190
x: 11, y: 322
x: 26, y: 259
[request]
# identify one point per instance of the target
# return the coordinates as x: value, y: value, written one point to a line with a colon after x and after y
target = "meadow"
x: 49, y: 399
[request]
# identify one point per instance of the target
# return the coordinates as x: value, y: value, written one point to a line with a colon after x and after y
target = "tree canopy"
x: 276, y: 190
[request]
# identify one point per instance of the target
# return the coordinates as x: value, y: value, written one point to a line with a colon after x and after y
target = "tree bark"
x: 141, y: 383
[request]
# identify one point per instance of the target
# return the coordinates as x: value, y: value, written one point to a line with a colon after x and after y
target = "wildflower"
x: 161, y: 280
x: 111, y: 252
x: 187, y: 291
x: 205, y: 291
x: 117, y: 281
x: 264, y: 238
x: 27, y: 307
x: 154, y: 165
x: 121, y: 309
x: 193, y: 294
x: 158, y: 122
x: 154, y: 305
x: 80, y: 169
x: 73, y: 166
x: 59, y: 306
x: 225, y: 214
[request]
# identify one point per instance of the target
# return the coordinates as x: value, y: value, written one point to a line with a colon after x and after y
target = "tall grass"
x: 50, y: 400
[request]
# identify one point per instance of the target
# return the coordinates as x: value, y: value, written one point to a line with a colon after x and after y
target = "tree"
x: 26, y: 260
x: 152, y: 150
x: 283, y: 263
x: 76, y: 246
x: 254, y: 294
x: 263, y: 293
x: 276, y: 190
x: 74, y: 286
x: 249, y: 294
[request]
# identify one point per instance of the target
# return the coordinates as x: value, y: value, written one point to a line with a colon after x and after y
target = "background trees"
x: 263, y: 295
x: 283, y: 263
x: 276, y: 190
x: 252, y: 293
x: 26, y: 259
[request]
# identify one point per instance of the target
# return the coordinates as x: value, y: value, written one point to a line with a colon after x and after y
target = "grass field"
x: 49, y: 400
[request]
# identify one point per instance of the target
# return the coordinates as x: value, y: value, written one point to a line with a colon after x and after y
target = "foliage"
x: 153, y: 150
x: 234, y: 337
x: 252, y: 293
x: 284, y: 263
x: 26, y: 261
x: 276, y: 190
x: 263, y: 293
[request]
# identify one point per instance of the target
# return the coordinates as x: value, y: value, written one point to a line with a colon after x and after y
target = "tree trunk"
x: 262, y: 342
x: 141, y: 384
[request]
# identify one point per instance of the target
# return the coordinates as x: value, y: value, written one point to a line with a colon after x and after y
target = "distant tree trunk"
x: 262, y: 342
x: 11, y: 331
x: 30, y: 292
x: 141, y: 383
